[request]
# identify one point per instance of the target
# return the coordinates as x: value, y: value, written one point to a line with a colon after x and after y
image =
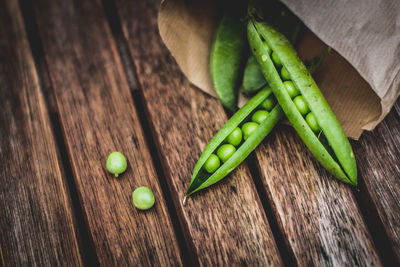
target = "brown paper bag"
x: 187, y: 29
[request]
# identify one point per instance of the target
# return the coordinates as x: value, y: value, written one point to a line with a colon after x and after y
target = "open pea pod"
x: 329, y: 143
x: 260, y: 102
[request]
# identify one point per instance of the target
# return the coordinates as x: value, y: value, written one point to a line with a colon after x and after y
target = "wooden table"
x: 80, y: 79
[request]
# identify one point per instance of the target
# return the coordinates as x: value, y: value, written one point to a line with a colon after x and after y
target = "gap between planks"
x: 86, y: 243
x: 189, y: 258
x: 40, y: 223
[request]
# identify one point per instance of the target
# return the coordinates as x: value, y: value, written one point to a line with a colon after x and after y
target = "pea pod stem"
x: 263, y: 38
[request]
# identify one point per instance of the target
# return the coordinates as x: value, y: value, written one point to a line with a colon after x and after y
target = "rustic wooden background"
x: 80, y: 79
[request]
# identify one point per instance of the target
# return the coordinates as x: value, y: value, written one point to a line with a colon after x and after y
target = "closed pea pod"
x: 201, y: 178
x: 225, y: 58
x: 253, y: 79
x: 335, y: 154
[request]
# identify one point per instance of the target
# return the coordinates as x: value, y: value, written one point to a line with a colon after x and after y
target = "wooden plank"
x: 36, y: 217
x: 98, y: 116
x: 225, y: 225
x: 378, y: 154
x: 318, y: 215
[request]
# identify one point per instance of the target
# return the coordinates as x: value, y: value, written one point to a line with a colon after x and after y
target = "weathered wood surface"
x: 378, y: 155
x: 317, y: 214
x: 316, y: 217
x: 98, y: 116
x: 36, y: 217
x: 227, y: 224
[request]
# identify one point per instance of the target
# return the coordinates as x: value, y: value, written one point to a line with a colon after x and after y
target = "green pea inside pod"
x: 291, y: 89
x: 276, y: 60
x: 259, y: 116
x: 285, y: 74
x: 235, y: 137
x: 312, y: 122
x: 301, y: 105
x: 269, y: 103
x: 212, y: 163
x: 225, y: 152
x: 249, y: 128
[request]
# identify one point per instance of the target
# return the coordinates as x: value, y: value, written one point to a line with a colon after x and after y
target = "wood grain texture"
x: 318, y: 215
x: 36, y: 217
x: 378, y: 155
x: 98, y: 116
x: 225, y: 224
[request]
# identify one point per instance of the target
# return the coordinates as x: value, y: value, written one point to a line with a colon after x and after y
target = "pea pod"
x: 253, y: 79
x: 201, y: 178
x: 288, y: 24
x: 225, y: 59
x: 331, y: 146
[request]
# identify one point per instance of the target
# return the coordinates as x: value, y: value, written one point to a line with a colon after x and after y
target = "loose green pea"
x: 116, y: 163
x: 212, y: 163
x: 225, y: 151
x: 269, y: 103
x: 235, y: 137
x: 248, y: 128
x: 312, y: 122
x: 143, y: 198
x: 291, y: 89
x: 276, y: 60
x: 301, y: 105
x: 285, y: 74
x: 259, y: 116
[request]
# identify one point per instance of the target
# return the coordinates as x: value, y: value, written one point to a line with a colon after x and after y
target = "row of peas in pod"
x: 235, y: 138
x: 294, y: 93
